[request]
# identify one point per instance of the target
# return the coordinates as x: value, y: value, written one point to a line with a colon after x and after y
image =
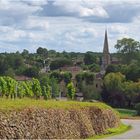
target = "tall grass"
x: 10, y: 104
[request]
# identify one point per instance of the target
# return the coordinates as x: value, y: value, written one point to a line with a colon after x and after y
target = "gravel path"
x: 134, y: 133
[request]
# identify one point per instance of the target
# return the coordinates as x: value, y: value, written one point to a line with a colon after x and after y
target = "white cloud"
x: 82, y: 8
x: 4, y: 47
x: 11, y: 34
x: 37, y: 22
x: 117, y: 28
x: 97, y: 11
x: 17, y: 8
x: 36, y: 2
x: 37, y: 36
x: 28, y: 28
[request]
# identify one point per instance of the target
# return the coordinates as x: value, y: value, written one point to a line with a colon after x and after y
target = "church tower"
x: 106, y: 55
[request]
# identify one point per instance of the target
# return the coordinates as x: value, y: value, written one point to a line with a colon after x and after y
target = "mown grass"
x: 126, y: 113
x: 12, y: 104
x: 113, y: 131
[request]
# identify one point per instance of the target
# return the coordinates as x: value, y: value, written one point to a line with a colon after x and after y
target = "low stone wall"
x: 41, y: 123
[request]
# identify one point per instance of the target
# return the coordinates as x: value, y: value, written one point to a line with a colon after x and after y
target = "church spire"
x: 106, y: 56
x: 106, y: 48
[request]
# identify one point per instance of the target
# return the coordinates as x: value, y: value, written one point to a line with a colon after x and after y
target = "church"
x: 106, y: 58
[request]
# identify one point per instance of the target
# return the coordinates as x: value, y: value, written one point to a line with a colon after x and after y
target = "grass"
x: 12, y: 104
x: 127, y: 113
x: 113, y: 131
x: 17, y: 104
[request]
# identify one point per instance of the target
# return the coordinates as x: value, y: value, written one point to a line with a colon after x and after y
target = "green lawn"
x: 10, y: 104
x: 127, y: 113
x: 113, y: 131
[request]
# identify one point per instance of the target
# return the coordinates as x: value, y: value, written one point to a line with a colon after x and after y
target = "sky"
x: 67, y: 25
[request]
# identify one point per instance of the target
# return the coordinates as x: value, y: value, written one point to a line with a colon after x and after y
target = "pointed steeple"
x: 106, y: 48
x: 106, y: 56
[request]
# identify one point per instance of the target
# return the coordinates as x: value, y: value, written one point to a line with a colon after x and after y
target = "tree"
x: 111, y: 68
x: 113, y: 85
x: 94, y: 67
x: 57, y: 76
x: 79, y: 81
x: 18, y: 62
x: 45, y: 86
x: 133, y: 72
x: 61, y: 62
x: 3, y: 65
x: 54, y: 87
x: 90, y: 92
x: 130, y: 89
x: 89, y: 58
x: 79, y: 77
x: 89, y: 77
x: 67, y: 77
x: 42, y: 51
x: 31, y: 72
x: 113, y: 81
x: 128, y: 48
x: 25, y: 53
x: 70, y: 90
x: 10, y: 72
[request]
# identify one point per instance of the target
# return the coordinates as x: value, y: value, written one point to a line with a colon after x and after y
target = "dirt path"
x: 134, y: 133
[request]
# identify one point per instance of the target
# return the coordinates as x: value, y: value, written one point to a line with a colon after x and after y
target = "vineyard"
x: 10, y: 88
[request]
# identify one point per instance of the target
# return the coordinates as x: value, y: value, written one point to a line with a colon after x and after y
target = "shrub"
x: 137, y: 106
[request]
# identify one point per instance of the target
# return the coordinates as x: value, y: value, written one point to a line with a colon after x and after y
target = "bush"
x: 137, y: 106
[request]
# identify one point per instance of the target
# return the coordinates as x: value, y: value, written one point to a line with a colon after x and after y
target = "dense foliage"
x: 121, y: 82
x: 120, y: 92
x: 13, y: 89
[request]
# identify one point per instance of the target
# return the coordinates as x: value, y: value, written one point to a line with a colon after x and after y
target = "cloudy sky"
x: 70, y: 25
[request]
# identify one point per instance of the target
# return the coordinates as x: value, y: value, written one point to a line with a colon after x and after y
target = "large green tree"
x: 61, y: 62
x: 129, y: 49
x: 90, y: 58
x: 112, y: 89
x: 42, y: 52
